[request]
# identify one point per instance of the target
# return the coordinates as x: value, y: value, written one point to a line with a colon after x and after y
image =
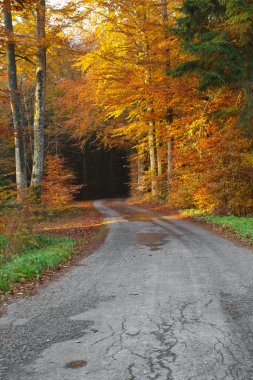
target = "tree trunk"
x: 140, y: 172
x: 166, y: 32
x: 85, y: 175
x: 246, y: 113
x: 159, y: 156
x: 16, y: 107
x: 152, y: 155
x: 39, y: 107
x: 168, y: 112
x: 151, y: 126
x: 169, y: 158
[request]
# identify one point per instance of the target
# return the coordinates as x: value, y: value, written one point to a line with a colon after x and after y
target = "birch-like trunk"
x: 15, y: 99
x: 39, y: 106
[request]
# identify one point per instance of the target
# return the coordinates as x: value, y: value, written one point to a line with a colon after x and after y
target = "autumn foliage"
x: 169, y: 81
x: 59, y: 188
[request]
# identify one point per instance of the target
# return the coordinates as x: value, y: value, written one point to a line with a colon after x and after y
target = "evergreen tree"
x: 215, y: 57
x: 217, y: 34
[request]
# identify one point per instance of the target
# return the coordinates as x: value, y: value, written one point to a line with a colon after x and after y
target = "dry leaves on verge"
x: 81, y: 222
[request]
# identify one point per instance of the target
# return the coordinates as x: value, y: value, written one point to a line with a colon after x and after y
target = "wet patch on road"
x: 131, y: 215
x: 153, y: 240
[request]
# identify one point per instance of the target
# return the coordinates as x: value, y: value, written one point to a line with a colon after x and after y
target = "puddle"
x: 153, y: 240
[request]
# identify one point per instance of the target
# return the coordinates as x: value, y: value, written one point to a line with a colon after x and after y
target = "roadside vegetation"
x: 37, y: 238
x: 240, y: 225
x: 45, y: 253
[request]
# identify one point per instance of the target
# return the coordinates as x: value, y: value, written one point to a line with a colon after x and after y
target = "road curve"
x: 161, y: 299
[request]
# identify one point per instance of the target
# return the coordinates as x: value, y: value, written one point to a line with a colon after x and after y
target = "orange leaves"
x: 58, y: 184
x: 210, y: 171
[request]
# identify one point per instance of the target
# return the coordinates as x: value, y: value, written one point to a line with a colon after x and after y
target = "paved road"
x: 161, y: 299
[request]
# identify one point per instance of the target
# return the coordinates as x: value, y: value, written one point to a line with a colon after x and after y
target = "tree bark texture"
x: 169, y: 114
x: 140, y: 168
x: 151, y: 129
x: 39, y: 106
x: 15, y: 99
x: 152, y: 155
x: 169, y: 158
x: 159, y: 156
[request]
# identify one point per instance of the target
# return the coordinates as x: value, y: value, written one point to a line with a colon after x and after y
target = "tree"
x: 39, y: 106
x: 21, y: 178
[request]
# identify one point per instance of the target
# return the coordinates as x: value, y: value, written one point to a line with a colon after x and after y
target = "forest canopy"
x: 167, y: 82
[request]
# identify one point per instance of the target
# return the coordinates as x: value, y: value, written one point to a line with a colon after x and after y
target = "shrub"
x: 16, y: 232
x: 58, y: 185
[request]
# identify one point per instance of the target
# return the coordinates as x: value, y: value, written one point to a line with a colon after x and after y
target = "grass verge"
x: 240, y: 225
x: 49, y: 253
x: 54, y: 244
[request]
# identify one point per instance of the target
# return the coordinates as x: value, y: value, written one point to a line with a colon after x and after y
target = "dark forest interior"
x: 102, y: 172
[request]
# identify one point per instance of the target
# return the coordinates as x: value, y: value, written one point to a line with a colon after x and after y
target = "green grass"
x: 3, y: 242
x: 241, y: 225
x: 49, y: 253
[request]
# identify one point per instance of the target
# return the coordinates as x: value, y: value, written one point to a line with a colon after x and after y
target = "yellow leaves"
x: 197, y: 127
x: 88, y: 60
x: 115, y: 113
x: 249, y: 158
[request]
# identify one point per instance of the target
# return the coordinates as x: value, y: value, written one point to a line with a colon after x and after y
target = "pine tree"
x: 218, y: 37
x: 215, y: 57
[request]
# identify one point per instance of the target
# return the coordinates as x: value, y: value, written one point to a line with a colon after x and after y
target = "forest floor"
x: 66, y: 239
x: 160, y: 298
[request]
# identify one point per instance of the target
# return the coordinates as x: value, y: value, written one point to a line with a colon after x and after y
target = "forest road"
x: 160, y: 299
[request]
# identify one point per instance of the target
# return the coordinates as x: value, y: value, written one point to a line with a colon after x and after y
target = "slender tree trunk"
x: 159, y: 156
x: 159, y: 162
x: 152, y: 156
x: 168, y: 111
x: 151, y: 129
x: 39, y: 107
x: 246, y: 113
x: 16, y: 107
x: 85, y: 177
x: 29, y: 122
x: 140, y: 169
x: 169, y: 158
x: 166, y: 32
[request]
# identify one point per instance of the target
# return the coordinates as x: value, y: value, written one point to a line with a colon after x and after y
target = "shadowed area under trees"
x: 100, y: 172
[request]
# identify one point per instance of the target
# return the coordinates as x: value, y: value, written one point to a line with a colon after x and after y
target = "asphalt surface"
x: 160, y: 299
